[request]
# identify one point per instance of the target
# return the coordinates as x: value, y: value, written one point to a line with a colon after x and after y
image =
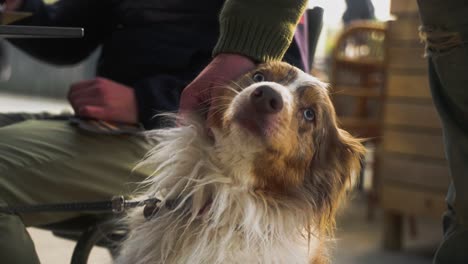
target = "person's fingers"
x: 80, y: 89
x: 190, y: 99
x: 94, y: 87
x: 194, y: 98
x: 93, y: 93
x: 89, y: 100
x: 94, y: 112
x: 82, y: 92
x: 223, y: 68
x: 83, y: 84
x: 86, y: 96
x: 101, y: 98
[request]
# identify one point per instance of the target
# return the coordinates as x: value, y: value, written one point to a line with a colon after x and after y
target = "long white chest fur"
x: 215, y: 219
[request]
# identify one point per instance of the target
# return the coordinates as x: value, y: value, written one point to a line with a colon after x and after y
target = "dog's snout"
x: 266, y: 100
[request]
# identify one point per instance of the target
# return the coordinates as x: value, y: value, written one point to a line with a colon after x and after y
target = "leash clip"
x: 118, y: 204
x: 152, y: 206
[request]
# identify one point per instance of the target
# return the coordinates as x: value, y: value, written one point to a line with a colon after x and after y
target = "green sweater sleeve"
x: 259, y: 29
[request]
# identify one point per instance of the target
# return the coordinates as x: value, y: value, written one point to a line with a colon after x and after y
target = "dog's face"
x: 280, y: 127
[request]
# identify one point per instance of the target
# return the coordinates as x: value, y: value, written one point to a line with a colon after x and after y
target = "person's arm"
x: 155, y: 95
x: 92, y: 15
x: 259, y: 29
x: 252, y: 31
x: 104, y: 99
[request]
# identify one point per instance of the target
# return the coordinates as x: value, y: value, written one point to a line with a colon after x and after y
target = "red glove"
x: 104, y: 99
x: 222, y: 69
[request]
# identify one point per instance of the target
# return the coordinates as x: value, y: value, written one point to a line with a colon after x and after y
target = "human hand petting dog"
x: 103, y: 99
x: 225, y: 67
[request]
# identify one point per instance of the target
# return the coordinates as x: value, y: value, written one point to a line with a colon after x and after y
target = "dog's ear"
x: 338, y: 155
x: 337, y: 152
x: 350, y: 152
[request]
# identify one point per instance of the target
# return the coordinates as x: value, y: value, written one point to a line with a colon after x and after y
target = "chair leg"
x: 392, y: 231
x: 373, y: 194
x: 85, y: 244
x: 372, y: 203
x: 114, y: 252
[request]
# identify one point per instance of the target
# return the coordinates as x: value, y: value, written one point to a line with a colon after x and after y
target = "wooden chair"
x: 357, y: 80
x: 89, y: 231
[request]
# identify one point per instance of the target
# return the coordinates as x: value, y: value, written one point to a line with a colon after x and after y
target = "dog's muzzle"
x: 265, y: 100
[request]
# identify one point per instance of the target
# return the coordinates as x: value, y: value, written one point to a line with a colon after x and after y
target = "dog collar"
x: 152, y: 208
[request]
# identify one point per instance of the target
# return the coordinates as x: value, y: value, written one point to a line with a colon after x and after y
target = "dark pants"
x: 445, y: 31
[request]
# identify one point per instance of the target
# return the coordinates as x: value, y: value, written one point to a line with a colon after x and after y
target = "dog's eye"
x: 309, y: 114
x: 258, y: 77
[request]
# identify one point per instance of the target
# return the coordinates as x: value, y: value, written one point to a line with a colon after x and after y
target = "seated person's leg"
x: 53, y: 162
x: 7, y: 119
x: 15, y: 244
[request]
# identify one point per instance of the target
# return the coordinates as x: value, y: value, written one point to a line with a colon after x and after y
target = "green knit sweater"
x: 259, y: 29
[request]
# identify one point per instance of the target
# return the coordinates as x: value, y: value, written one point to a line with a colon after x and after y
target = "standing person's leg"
x: 445, y: 31
x: 51, y: 161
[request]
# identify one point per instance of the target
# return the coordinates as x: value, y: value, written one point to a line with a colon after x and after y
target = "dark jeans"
x: 445, y: 31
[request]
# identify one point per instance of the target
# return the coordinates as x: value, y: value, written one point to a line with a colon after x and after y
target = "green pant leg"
x: 448, y: 80
x: 51, y: 161
x: 7, y: 119
x: 15, y: 243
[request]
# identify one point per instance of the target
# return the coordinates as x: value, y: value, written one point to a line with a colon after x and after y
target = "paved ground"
x: 358, y: 241
x: 22, y: 103
x: 53, y: 250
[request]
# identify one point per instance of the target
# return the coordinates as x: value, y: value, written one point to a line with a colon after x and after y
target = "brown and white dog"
x: 266, y: 190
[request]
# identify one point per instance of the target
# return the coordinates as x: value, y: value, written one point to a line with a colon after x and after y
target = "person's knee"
x: 30, y: 143
x: 16, y: 245
x: 13, y: 152
x: 439, y: 40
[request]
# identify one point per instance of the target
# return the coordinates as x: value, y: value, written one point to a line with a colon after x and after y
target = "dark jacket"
x: 155, y: 46
x: 358, y: 10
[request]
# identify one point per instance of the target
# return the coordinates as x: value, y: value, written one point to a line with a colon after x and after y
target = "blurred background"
x: 370, y: 53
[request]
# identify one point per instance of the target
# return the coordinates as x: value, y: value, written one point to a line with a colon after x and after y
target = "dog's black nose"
x: 266, y: 100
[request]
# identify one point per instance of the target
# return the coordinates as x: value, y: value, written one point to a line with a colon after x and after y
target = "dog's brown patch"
x: 282, y: 170
x: 310, y: 161
x: 281, y: 73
